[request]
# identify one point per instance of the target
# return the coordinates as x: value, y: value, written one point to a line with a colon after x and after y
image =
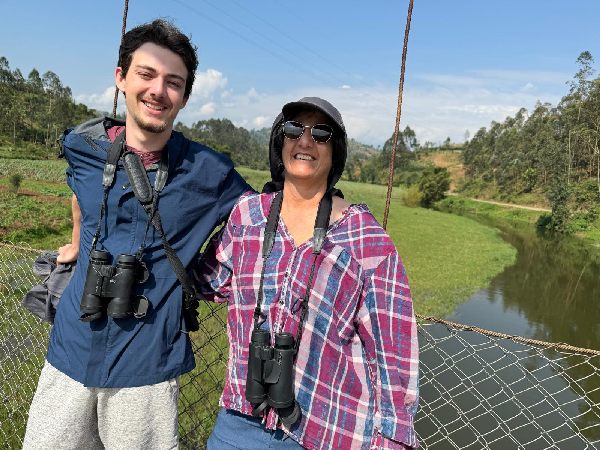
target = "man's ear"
x: 120, y: 79
x: 185, y: 99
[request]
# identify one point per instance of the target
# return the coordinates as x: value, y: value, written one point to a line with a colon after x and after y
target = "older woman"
x: 323, y: 349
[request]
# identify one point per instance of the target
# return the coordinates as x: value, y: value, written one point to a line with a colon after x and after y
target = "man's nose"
x: 158, y: 87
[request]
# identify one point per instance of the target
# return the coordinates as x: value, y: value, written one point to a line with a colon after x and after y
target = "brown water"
x: 551, y: 293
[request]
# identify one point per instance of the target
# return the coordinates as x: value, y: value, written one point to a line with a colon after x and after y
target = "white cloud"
x: 207, y: 83
x: 103, y: 101
x: 252, y: 94
x: 260, y: 121
x: 528, y: 86
x: 207, y: 109
x: 434, y: 105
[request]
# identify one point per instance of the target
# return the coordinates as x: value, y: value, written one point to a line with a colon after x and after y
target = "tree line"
x: 38, y: 108
x: 553, y: 151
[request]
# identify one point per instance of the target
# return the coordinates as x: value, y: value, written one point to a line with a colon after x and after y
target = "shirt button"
x: 281, y: 302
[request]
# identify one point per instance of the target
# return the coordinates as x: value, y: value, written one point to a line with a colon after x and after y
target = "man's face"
x: 154, y: 88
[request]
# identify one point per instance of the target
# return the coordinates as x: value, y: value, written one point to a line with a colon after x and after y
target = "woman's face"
x: 305, y: 160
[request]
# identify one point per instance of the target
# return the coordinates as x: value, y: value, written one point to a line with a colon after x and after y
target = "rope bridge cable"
x: 478, y: 388
x: 398, y: 115
x: 123, y: 27
x: 558, y: 346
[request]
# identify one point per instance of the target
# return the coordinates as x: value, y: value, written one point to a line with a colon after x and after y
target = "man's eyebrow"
x: 153, y: 70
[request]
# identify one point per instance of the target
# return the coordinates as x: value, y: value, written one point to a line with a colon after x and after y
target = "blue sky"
x: 469, y: 62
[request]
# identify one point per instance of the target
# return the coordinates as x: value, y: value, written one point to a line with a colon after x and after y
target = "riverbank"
x: 522, y: 214
x: 447, y: 257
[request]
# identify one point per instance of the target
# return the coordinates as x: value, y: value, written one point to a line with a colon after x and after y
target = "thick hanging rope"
x: 512, y: 337
x: 398, y: 114
x: 125, y: 8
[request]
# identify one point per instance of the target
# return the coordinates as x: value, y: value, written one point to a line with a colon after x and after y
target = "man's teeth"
x: 304, y: 157
x: 155, y: 107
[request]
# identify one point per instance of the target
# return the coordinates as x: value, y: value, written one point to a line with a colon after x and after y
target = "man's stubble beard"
x: 157, y: 129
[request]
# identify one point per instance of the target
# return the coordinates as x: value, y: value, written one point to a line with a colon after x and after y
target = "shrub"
x: 544, y: 221
x: 14, y: 182
x: 411, y: 197
x: 433, y: 184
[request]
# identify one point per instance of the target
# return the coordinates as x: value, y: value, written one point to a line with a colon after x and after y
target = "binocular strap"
x: 321, y: 224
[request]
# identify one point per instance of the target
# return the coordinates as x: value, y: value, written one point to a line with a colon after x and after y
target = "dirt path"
x: 511, y: 205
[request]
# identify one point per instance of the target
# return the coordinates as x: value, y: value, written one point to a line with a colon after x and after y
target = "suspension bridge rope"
x: 398, y: 114
x: 123, y: 26
x: 512, y: 337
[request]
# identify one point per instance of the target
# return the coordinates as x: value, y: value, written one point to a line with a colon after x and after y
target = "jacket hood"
x: 339, y: 141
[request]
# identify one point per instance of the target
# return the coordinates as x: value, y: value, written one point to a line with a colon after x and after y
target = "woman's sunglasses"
x: 320, y: 132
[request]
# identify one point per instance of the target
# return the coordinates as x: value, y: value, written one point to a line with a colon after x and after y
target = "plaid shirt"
x: 356, y: 372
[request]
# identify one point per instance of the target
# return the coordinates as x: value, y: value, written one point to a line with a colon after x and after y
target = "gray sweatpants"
x: 66, y: 415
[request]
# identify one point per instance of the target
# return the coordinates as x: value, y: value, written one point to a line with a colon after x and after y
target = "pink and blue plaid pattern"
x: 356, y: 375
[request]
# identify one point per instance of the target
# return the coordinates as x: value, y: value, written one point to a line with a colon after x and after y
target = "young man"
x: 111, y: 377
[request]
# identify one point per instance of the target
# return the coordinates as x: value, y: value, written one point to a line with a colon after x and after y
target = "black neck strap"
x: 139, y: 181
x: 321, y: 224
x: 148, y: 198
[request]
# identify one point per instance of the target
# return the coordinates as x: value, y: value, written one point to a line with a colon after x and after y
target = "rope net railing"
x: 478, y: 389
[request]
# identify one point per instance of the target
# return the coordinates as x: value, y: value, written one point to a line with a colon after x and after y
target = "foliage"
x: 236, y: 142
x: 369, y: 165
x: 433, y: 184
x: 14, y: 182
x: 40, y: 108
x: 411, y: 196
x: 37, y: 108
x: 552, y: 150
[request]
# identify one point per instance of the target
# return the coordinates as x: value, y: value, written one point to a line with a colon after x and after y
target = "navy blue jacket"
x: 201, y: 189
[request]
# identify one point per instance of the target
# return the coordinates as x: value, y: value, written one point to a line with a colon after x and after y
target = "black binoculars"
x: 270, y: 380
x: 109, y: 288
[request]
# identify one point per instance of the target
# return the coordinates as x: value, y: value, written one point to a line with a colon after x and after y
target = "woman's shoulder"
x: 251, y: 209
x: 358, y: 218
x: 361, y: 235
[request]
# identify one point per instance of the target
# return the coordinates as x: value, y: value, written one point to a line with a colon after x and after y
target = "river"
x: 550, y: 293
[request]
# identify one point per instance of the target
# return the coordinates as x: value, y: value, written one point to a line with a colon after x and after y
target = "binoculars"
x: 270, y: 380
x: 108, y: 289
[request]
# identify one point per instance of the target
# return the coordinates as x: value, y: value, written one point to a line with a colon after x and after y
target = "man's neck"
x: 146, y: 141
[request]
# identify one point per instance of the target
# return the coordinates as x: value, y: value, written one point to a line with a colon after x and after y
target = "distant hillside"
x: 450, y: 159
x: 35, y: 110
x: 360, y: 150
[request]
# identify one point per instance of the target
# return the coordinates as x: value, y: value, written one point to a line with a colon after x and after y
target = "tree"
x: 433, y: 185
x: 410, y: 139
